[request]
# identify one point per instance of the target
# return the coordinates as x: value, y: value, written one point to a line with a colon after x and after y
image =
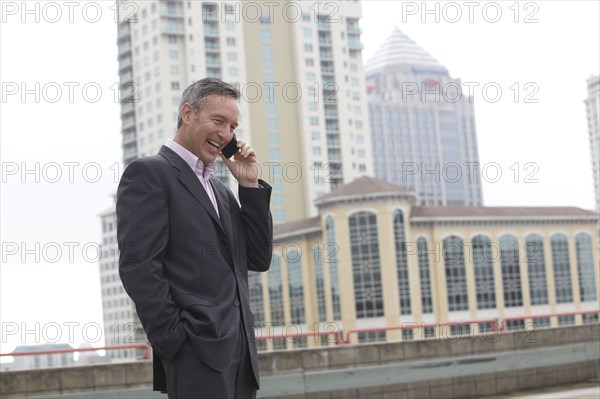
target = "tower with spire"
x: 423, y: 131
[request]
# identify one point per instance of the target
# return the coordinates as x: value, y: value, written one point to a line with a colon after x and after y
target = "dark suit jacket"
x: 185, y: 268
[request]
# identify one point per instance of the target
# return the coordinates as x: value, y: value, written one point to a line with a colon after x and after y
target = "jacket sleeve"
x: 142, y: 234
x: 258, y: 223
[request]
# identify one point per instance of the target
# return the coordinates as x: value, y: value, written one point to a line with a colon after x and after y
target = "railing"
x: 341, y: 337
x: 338, y: 336
x: 415, y: 326
x: 543, y: 316
x: 496, y: 326
x: 147, y: 353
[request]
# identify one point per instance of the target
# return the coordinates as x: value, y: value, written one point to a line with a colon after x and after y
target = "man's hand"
x: 244, y: 166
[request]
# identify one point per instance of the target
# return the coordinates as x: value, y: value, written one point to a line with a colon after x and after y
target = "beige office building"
x: 297, y: 64
x: 372, y: 260
x: 299, y: 68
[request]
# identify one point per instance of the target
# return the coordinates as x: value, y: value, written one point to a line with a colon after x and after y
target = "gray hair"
x: 197, y: 93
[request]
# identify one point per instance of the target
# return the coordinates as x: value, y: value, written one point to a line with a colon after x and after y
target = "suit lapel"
x: 189, y: 179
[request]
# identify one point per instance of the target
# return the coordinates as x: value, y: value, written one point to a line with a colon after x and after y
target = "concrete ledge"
x: 471, y: 365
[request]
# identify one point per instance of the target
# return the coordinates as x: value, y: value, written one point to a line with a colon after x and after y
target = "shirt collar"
x: 193, y: 161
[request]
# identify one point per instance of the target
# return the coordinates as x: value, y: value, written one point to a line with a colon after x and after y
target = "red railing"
x: 497, y: 325
x: 338, y: 335
x: 543, y: 316
x: 415, y: 326
x: 147, y: 353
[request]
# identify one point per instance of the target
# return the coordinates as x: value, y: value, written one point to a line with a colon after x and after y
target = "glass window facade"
x: 511, y: 271
x: 562, y: 268
x: 585, y: 267
x: 456, y: 279
x: 331, y: 258
x: 276, y: 291
x: 366, y: 268
x: 536, y: 269
x: 295, y: 285
x: 484, y: 272
x: 401, y: 263
x: 426, y: 293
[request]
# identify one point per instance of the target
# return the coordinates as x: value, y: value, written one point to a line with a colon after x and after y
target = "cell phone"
x: 230, y: 149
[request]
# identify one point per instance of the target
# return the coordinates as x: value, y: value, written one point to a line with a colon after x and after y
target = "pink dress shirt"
x: 202, y: 171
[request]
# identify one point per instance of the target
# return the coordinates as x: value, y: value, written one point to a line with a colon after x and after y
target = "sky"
x: 60, y: 153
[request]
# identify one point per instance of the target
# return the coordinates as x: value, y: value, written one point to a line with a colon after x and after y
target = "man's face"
x: 211, y: 128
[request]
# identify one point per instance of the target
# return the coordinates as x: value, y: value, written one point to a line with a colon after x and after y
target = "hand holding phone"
x: 230, y: 149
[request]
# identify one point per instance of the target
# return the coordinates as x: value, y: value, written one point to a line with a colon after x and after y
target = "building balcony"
x: 213, y: 72
x: 326, y: 56
x: 333, y: 144
x: 171, y: 12
x: 124, y: 48
x: 127, y: 123
x: 124, y: 63
x: 126, y: 108
x: 125, y: 78
x: 325, y: 42
x: 210, y: 12
x: 128, y: 138
x: 213, y: 62
x: 123, y: 31
x: 355, y: 46
x: 212, y: 48
x: 352, y: 29
x: 129, y: 154
x: 172, y: 30
x: 208, y: 32
x: 325, y: 26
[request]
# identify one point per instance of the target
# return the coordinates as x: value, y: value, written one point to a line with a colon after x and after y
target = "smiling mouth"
x: 213, y: 143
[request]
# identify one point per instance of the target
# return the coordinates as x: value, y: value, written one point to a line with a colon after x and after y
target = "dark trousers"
x: 189, y: 378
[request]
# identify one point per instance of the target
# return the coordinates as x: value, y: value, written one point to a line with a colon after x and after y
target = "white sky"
x: 556, y: 54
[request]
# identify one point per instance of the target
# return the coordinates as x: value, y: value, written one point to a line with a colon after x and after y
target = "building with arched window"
x: 373, y: 261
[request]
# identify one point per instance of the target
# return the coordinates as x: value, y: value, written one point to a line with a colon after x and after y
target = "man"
x: 187, y: 245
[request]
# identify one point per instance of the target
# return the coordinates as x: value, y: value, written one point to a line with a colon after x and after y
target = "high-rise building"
x: 298, y: 66
x: 422, y: 125
x: 592, y: 106
x: 121, y: 323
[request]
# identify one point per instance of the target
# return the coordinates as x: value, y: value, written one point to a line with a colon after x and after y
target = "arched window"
x: 426, y: 296
x: 331, y: 249
x: 484, y: 272
x: 256, y: 296
x: 401, y: 263
x: 366, y: 268
x: 256, y: 303
x: 562, y: 268
x: 585, y: 267
x: 319, y: 282
x: 456, y: 279
x: 511, y: 271
x: 293, y: 257
x: 536, y: 269
x: 276, y: 291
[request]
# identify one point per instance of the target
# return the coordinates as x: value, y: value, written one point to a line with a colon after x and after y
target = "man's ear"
x: 187, y: 113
